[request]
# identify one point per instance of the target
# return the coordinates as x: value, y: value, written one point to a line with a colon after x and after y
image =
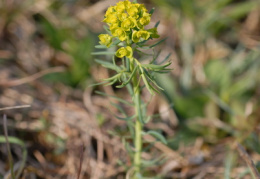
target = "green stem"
x: 138, y: 137
x: 138, y: 124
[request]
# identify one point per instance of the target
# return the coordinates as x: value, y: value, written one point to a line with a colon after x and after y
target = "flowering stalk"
x: 126, y: 30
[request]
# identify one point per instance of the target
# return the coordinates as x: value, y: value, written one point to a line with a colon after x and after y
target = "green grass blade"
x: 14, y: 140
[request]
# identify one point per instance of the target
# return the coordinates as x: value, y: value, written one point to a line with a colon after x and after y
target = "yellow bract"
x: 105, y: 39
x: 145, y: 19
x: 124, y: 52
x: 133, y: 11
x: 141, y: 34
x: 111, y: 18
x: 109, y: 10
x: 122, y: 16
x: 119, y: 32
x: 128, y: 24
x: 120, y: 7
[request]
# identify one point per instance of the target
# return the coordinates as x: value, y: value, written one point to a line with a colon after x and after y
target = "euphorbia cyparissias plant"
x: 126, y: 30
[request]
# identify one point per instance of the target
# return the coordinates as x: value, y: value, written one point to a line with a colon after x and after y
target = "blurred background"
x: 210, y: 102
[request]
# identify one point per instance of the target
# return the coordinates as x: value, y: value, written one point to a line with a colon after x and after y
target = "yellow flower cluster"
x: 126, y: 21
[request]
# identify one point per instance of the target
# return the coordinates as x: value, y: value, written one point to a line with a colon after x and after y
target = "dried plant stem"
x: 248, y: 160
x: 80, y: 161
x: 138, y: 124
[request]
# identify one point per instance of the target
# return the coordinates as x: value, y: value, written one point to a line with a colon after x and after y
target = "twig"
x: 81, y: 160
x: 242, y: 152
x: 32, y: 77
x: 10, y: 158
x: 15, y: 107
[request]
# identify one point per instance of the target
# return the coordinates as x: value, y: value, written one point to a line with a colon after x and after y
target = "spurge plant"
x: 126, y: 31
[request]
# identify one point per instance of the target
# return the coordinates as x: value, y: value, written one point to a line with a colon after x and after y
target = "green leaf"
x: 152, y: 80
x: 111, y: 96
x: 141, y: 45
x: 154, y: 67
x: 150, y: 163
x: 103, y: 53
x: 120, y: 109
x: 100, y: 46
x: 96, y: 84
x: 126, y: 118
x: 106, y: 29
x: 116, y: 42
x: 157, y: 135
x: 128, y: 147
x: 148, y: 118
x: 129, y: 79
x: 115, y: 77
x: 155, y: 57
x: 166, y: 58
x: 152, y: 11
x: 157, y: 24
x: 108, y: 65
x: 147, y: 85
x: 165, y: 71
x: 143, y: 53
x: 157, y: 43
x: 111, y: 83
